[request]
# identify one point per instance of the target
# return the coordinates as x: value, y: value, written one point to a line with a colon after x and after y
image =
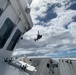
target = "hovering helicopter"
x: 38, y: 36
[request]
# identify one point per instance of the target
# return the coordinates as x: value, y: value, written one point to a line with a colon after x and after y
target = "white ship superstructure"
x: 50, y: 66
x: 15, y: 20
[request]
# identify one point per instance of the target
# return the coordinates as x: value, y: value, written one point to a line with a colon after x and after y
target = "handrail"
x: 14, y: 64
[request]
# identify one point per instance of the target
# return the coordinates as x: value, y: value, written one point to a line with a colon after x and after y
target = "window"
x: 1, y: 11
x: 6, y: 31
x: 14, y: 40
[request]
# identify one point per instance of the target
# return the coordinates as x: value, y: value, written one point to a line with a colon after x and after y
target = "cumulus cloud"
x: 55, y: 21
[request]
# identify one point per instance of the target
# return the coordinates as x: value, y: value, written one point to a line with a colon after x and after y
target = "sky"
x: 56, y: 22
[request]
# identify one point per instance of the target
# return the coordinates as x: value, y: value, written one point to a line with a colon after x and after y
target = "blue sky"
x: 56, y: 21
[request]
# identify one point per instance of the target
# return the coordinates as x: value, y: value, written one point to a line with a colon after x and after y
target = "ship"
x: 15, y: 21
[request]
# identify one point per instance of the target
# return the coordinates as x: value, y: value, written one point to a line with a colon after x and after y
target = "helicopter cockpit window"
x: 5, y: 31
x: 14, y: 40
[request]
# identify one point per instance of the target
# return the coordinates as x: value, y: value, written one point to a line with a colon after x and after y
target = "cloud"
x: 57, y: 25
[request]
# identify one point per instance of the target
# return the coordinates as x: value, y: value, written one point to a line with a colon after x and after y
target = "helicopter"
x: 39, y: 36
